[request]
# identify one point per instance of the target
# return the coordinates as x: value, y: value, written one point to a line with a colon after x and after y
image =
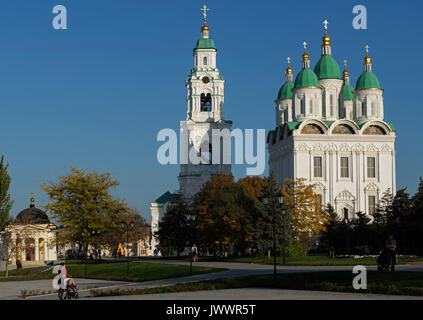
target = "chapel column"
x: 23, y: 250
x: 37, y: 249
x: 45, y: 249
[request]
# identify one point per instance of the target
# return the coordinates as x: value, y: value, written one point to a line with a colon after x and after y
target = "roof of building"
x: 165, y: 197
x: 347, y: 92
x: 32, y: 215
x: 327, y: 68
x: 285, y: 92
x: 306, y: 78
x: 367, y: 80
x: 205, y: 43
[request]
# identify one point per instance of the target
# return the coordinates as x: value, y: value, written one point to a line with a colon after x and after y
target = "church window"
x: 206, y: 102
x: 318, y: 170
x: 303, y: 106
x: 345, y: 167
x: 364, y: 109
x: 331, y: 104
x: 372, y: 204
x: 371, y: 167
x: 205, y: 61
x: 206, y: 154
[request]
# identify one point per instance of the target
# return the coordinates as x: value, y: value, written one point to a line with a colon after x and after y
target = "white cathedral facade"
x: 334, y: 136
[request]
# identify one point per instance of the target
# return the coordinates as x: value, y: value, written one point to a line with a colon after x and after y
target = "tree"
x: 361, y: 233
x: 82, y: 204
x: 110, y: 239
x: 271, y: 215
x: 5, y: 200
x: 306, y: 212
x: 175, y: 228
x: 224, y: 214
x: 254, y: 185
x: 330, y: 237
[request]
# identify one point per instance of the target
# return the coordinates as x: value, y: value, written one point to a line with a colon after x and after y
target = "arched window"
x: 331, y: 104
x: 206, y: 154
x: 206, y: 102
x: 303, y: 106
x: 204, y: 61
x: 364, y: 109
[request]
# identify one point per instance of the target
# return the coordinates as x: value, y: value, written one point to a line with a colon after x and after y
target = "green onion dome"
x: 327, y: 68
x: 306, y: 78
x: 367, y: 80
x: 347, y: 92
x: 285, y: 91
x: 205, y: 43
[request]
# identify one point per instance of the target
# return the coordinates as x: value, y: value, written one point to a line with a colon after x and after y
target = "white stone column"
x: 45, y: 250
x: 23, y: 251
x: 37, y: 249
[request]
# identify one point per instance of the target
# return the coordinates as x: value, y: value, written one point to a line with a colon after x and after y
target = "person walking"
x: 194, y: 252
x: 391, y: 247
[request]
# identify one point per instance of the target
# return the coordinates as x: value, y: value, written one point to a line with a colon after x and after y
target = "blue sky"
x: 94, y: 96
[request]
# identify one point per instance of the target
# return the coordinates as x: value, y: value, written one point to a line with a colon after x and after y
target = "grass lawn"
x: 318, y: 260
x: 18, y: 272
x: 139, y: 271
x: 398, y: 283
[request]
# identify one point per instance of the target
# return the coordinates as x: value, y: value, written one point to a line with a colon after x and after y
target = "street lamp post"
x: 266, y: 203
x: 124, y: 225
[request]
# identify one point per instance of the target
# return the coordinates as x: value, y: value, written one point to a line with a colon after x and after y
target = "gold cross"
x: 326, y: 24
x: 367, y: 49
x: 289, y: 60
x: 32, y: 194
x: 305, y: 46
x: 345, y: 63
x: 204, y: 9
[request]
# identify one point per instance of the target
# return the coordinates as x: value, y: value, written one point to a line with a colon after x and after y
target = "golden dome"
x: 306, y: 57
x: 346, y: 73
x: 367, y: 59
x: 288, y: 70
x: 205, y: 28
x: 326, y: 40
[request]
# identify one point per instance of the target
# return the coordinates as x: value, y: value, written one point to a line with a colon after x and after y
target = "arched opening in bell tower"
x: 206, y: 102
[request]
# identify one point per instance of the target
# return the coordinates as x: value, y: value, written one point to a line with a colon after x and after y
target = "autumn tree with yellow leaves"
x: 224, y: 215
x: 80, y: 203
x: 306, y: 211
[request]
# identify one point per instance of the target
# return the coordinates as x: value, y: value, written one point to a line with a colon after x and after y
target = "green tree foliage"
x: 175, y: 228
x: 272, y: 214
x: 5, y: 200
x: 224, y: 215
x: 82, y: 204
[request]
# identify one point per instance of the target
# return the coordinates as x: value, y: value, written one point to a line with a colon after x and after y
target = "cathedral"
x: 334, y: 135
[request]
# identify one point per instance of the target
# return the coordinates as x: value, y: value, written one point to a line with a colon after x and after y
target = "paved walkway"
x: 233, y: 270
x: 260, y: 294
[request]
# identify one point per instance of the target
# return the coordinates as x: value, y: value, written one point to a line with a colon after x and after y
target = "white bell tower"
x: 205, y: 100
